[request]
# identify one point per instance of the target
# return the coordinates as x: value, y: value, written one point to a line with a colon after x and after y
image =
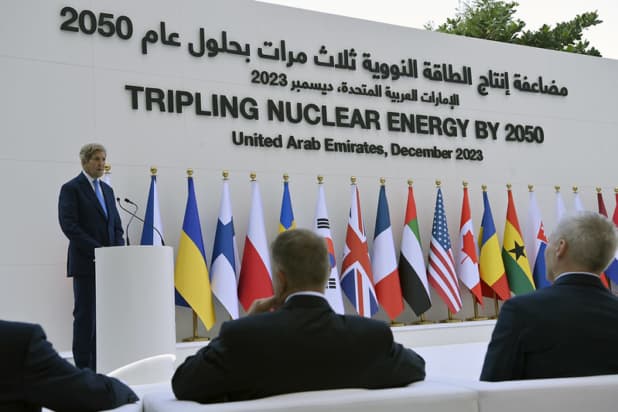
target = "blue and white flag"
x: 224, y: 266
x: 152, y: 219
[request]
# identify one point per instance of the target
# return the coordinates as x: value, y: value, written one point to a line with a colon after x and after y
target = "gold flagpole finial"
x: 189, y: 172
x: 107, y: 168
x: 382, y: 181
x: 252, y: 176
x: 410, y: 182
x: 508, y: 187
x: 616, y: 190
x: 575, y: 189
x: 353, y: 180
x: 599, y: 190
x: 153, y: 171
x: 320, y: 179
x: 530, y: 188
x: 286, y: 177
x: 464, y: 184
x: 557, y: 188
x: 225, y: 174
x: 484, y: 188
x: 438, y: 183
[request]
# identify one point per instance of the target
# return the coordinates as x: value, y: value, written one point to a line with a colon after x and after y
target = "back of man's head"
x: 302, y: 256
x: 591, y: 240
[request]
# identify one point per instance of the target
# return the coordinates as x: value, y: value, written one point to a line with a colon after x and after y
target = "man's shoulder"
x: 75, y: 181
x: 264, y: 321
x: 363, y: 323
x: 248, y: 322
x: 16, y: 338
x: 12, y: 328
x: 536, y: 296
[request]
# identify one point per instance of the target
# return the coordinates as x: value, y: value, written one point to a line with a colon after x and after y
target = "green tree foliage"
x: 495, y: 20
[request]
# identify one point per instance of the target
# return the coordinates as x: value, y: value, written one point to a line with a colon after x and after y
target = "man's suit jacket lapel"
x: 86, y: 188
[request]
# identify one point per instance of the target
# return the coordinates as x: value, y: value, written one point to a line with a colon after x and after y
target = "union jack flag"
x: 356, y: 275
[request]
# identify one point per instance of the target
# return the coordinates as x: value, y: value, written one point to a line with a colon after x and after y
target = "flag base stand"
x: 451, y: 319
x: 422, y: 320
x: 496, y: 308
x: 397, y: 324
x: 476, y: 316
x: 195, y: 337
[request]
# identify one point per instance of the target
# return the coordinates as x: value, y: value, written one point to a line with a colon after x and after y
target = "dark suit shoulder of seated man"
x: 294, y: 341
x: 33, y: 375
x: 570, y: 328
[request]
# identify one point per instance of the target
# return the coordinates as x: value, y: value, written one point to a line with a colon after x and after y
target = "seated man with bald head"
x: 568, y: 329
x: 293, y: 341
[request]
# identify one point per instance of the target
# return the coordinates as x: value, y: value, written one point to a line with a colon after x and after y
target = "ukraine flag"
x: 191, y: 274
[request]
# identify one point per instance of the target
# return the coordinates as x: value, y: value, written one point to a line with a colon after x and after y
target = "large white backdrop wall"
x: 137, y: 90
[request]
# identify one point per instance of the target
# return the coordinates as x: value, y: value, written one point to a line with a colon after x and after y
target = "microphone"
x: 133, y: 215
x: 130, y: 220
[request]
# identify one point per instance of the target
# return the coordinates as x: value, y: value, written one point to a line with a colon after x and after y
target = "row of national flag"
x: 369, y: 279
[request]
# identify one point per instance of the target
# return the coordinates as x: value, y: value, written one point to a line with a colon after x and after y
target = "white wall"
x: 62, y: 89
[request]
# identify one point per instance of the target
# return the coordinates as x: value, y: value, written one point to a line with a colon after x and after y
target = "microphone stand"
x: 130, y: 220
x: 133, y: 215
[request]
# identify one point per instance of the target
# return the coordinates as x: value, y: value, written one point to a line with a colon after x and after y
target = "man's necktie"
x: 99, y: 193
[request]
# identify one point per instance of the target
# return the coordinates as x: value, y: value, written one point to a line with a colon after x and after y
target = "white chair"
x: 154, y: 369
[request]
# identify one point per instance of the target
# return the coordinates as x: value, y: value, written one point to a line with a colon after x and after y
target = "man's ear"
x: 562, y: 248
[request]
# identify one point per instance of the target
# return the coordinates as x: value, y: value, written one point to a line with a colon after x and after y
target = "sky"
x: 416, y: 13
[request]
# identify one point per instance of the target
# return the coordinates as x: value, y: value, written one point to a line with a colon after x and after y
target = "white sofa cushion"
x: 592, y: 393
x: 462, y: 361
x: 424, y: 396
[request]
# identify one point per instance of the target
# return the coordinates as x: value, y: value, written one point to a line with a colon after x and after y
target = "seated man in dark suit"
x: 570, y: 328
x: 293, y: 341
x: 32, y: 375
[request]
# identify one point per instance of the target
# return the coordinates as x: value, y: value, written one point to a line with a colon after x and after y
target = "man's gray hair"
x: 302, y: 255
x: 88, y: 150
x: 591, y: 239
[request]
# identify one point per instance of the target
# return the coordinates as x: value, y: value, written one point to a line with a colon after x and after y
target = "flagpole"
x: 450, y: 318
x: 476, y: 316
x: 422, y: 320
x: 195, y: 337
x: 495, y: 306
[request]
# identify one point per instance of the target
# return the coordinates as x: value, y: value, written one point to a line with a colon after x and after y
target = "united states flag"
x: 441, y: 267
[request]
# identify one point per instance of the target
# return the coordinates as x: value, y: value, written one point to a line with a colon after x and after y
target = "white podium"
x: 135, y: 304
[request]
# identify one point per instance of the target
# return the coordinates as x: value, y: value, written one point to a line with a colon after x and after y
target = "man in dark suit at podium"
x: 293, y: 341
x: 89, y: 218
x: 34, y: 375
x: 570, y: 328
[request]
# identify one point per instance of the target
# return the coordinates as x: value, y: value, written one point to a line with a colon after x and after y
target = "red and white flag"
x: 255, y: 279
x: 467, y: 256
x: 441, y: 266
